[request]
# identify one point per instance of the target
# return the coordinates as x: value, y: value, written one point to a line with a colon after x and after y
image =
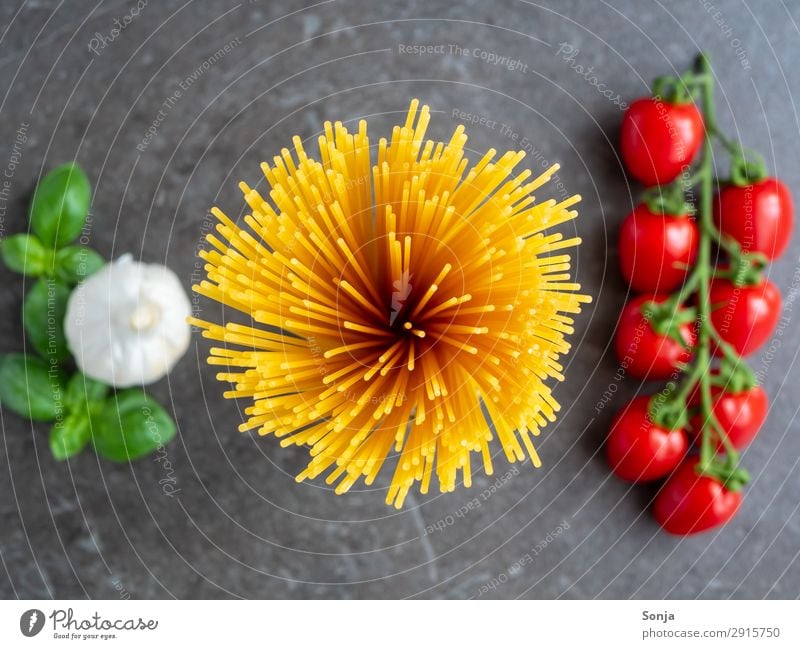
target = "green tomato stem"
x: 670, y: 409
x: 707, y: 334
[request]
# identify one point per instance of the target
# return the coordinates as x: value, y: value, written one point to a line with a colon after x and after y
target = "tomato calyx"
x: 745, y: 268
x: 668, y: 408
x: 668, y: 200
x: 673, y: 90
x: 734, y: 376
x: 666, y: 319
x: 748, y: 268
x: 747, y: 166
x: 725, y: 470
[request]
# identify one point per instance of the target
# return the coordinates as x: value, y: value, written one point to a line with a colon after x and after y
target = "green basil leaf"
x: 131, y: 425
x: 60, y: 204
x: 24, y: 253
x: 30, y: 387
x: 43, y: 318
x: 83, y: 391
x: 75, y: 263
x: 70, y: 436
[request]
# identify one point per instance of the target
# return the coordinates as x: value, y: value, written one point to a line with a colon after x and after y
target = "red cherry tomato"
x: 760, y: 216
x: 659, y: 139
x: 638, y: 450
x: 644, y: 353
x: 740, y: 414
x: 689, y: 503
x: 744, y: 316
x: 655, y: 250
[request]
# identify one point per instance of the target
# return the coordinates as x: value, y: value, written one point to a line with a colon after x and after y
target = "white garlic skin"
x: 126, y: 324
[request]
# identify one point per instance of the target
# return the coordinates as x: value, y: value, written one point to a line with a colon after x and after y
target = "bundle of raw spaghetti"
x: 395, y: 308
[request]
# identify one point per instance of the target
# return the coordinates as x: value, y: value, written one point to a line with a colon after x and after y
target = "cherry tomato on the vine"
x: 690, y: 503
x: 659, y: 139
x: 744, y: 316
x: 643, y: 352
x: 655, y: 250
x: 637, y: 449
x: 759, y: 216
x: 740, y: 414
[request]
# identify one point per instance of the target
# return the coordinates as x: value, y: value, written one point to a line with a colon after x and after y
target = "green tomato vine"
x: 670, y: 409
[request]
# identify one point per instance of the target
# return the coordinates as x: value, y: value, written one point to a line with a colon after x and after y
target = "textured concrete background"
x: 240, y: 526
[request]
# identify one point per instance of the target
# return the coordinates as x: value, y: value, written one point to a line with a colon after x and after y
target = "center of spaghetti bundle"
x: 397, y: 307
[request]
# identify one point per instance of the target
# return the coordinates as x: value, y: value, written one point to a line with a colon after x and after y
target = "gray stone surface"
x: 241, y: 527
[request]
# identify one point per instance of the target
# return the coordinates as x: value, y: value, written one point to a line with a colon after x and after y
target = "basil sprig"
x: 121, y: 426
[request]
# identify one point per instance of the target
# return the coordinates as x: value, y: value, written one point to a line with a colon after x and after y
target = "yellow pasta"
x: 397, y: 306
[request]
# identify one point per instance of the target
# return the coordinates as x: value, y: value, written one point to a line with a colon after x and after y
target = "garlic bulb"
x: 126, y: 324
